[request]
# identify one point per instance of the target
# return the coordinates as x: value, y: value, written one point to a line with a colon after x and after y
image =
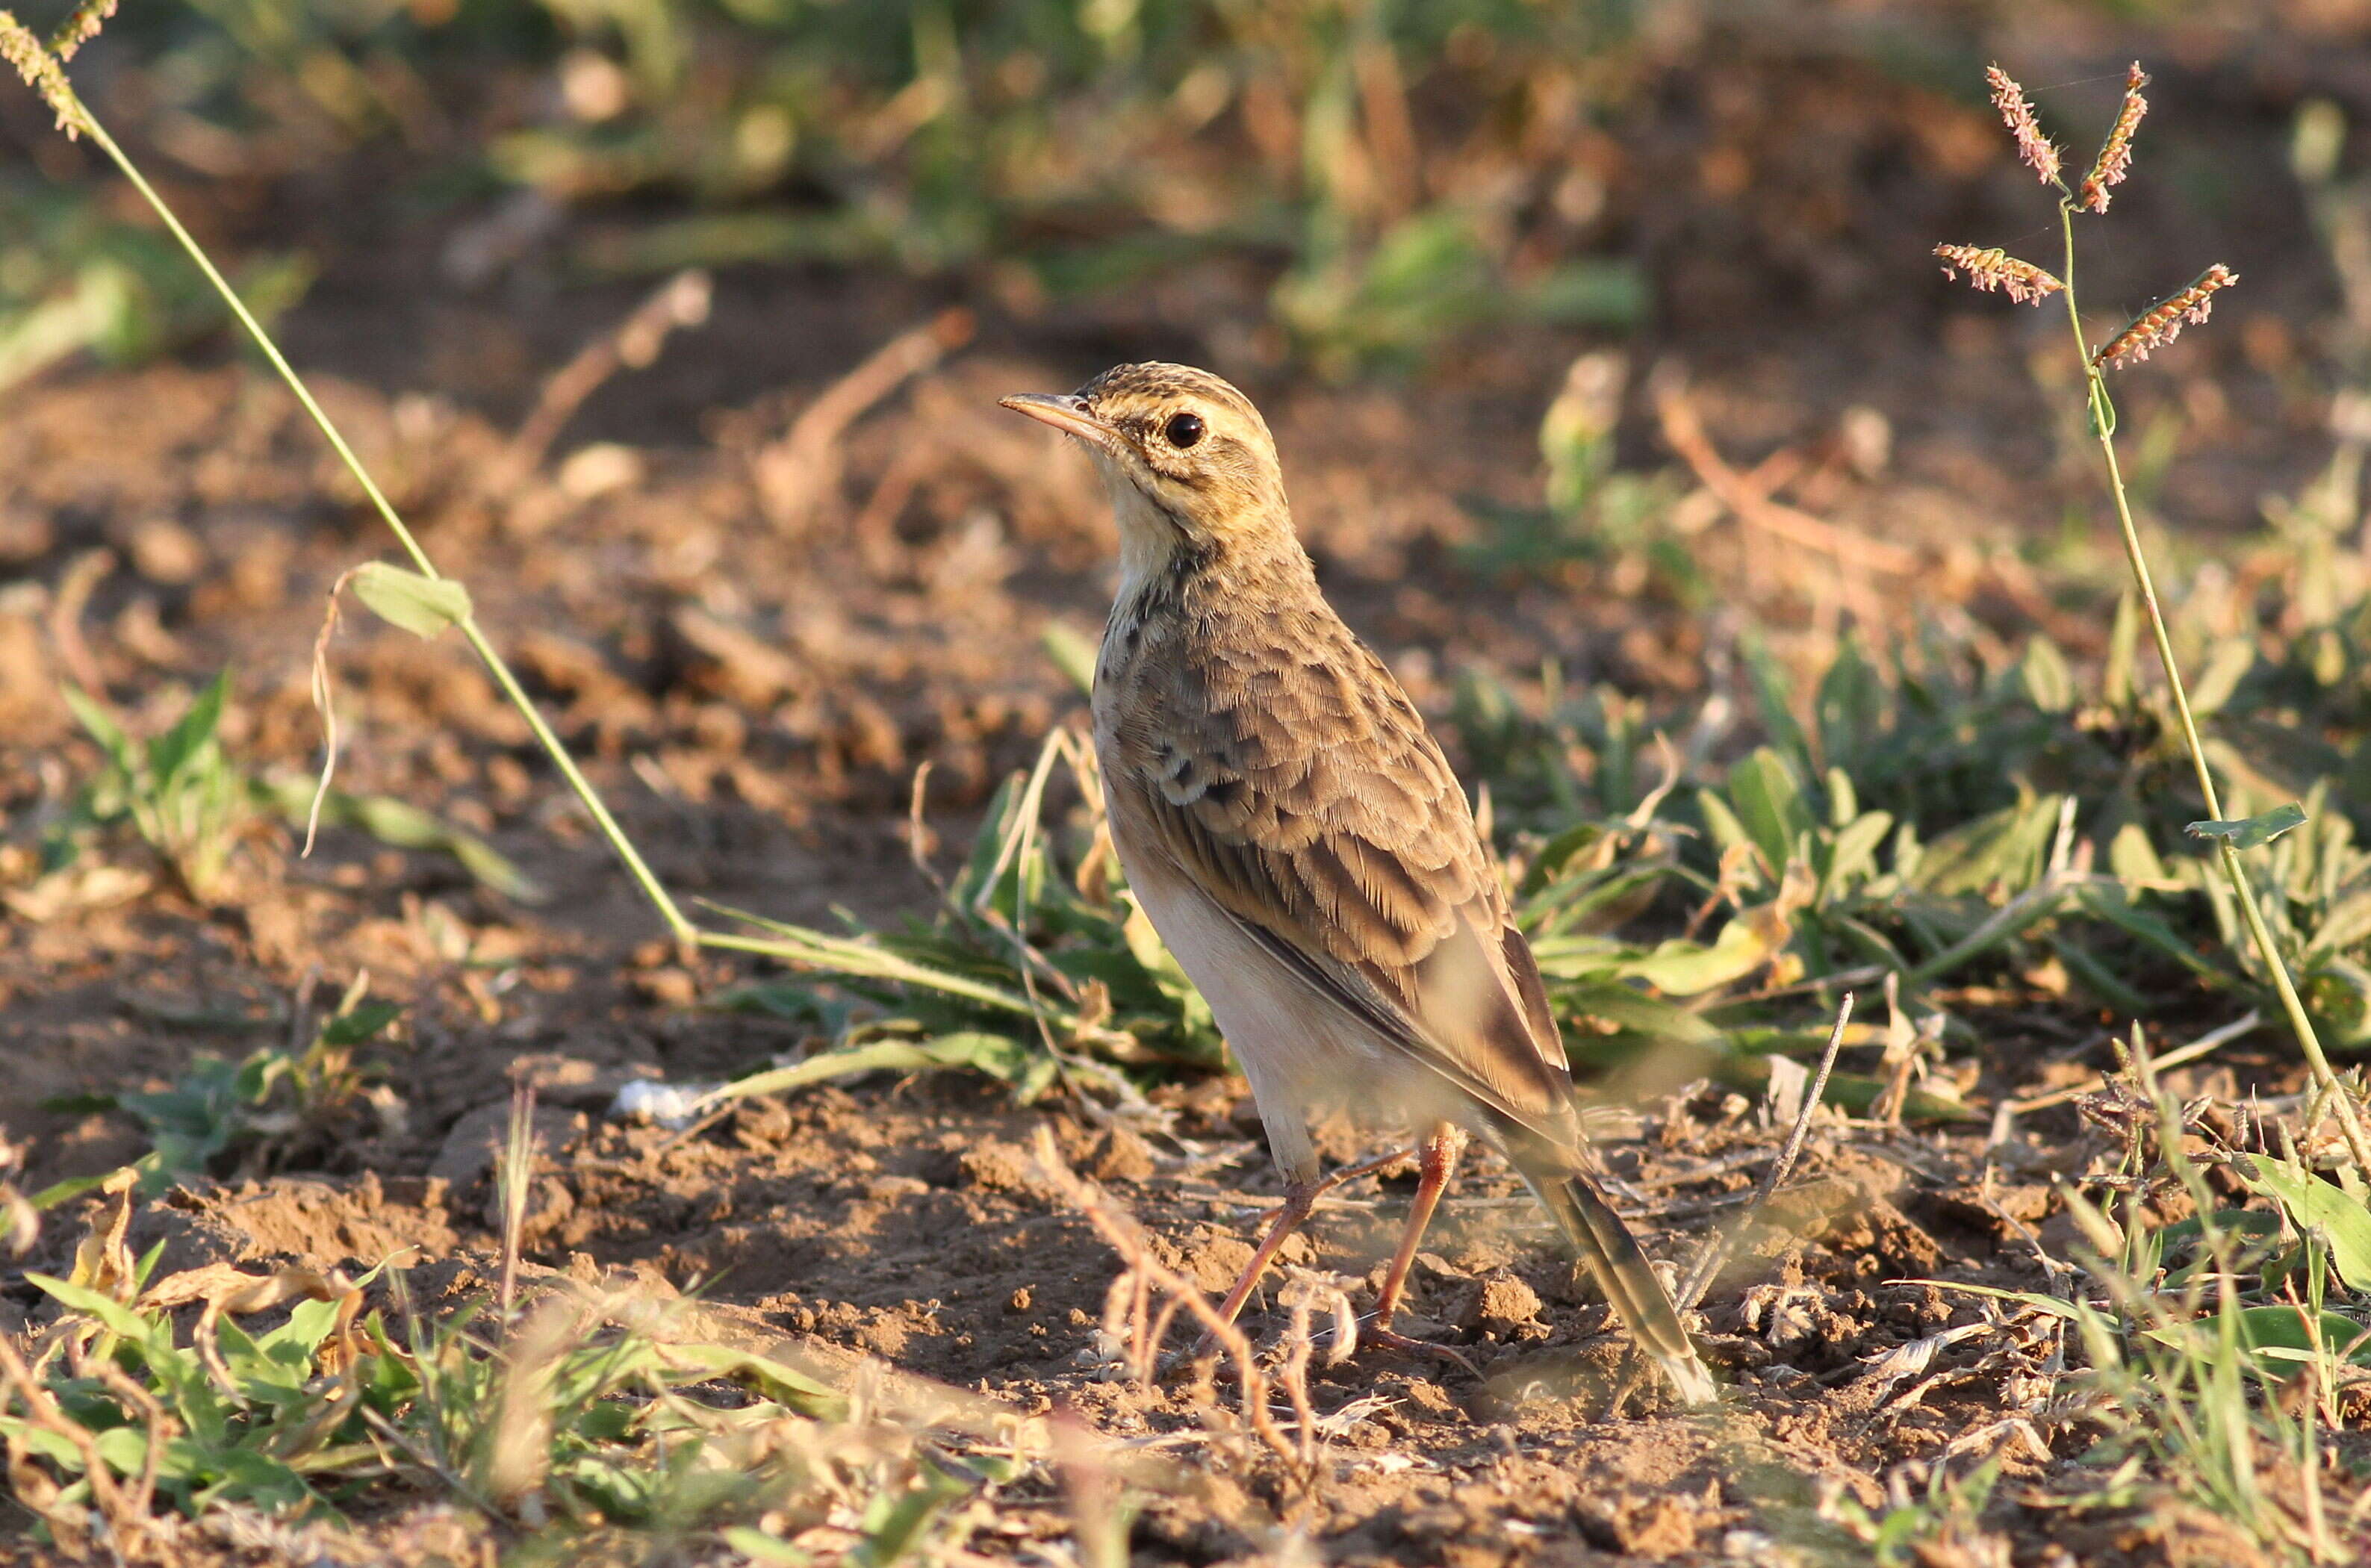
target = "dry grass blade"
x: 1724, y: 1241
x: 511, y: 1177
x: 1142, y: 1272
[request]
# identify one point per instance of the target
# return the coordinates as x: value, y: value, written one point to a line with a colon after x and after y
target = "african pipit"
x: 1299, y: 842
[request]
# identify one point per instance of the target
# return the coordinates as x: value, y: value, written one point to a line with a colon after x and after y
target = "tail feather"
x: 1619, y: 1265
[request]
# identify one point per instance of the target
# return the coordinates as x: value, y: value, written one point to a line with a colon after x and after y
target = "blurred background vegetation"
x: 1476, y: 195
x: 1044, y: 148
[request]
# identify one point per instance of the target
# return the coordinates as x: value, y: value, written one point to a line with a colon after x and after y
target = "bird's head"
x: 1189, y: 462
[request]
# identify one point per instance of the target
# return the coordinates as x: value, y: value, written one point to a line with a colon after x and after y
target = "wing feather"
x: 1305, y: 798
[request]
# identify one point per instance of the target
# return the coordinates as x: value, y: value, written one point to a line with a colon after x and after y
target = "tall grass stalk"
x: 41, y: 70
x: 2101, y: 411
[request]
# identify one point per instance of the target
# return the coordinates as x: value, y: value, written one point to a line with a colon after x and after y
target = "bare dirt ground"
x: 755, y: 692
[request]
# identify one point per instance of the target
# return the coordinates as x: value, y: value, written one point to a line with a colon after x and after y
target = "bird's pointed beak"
x: 1066, y: 413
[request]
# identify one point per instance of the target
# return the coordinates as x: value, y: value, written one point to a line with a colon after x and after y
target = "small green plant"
x: 1941, y: 1522
x: 271, y: 1108
x: 1038, y: 963
x: 1592, y: 512
x: 178, y: 790
x: 2217, y: 1348
x: 72, y: 278
x: 184, y: 796
x: 595, y: 1412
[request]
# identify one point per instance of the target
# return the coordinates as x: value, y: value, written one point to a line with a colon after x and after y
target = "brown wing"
x: 1295, y: 783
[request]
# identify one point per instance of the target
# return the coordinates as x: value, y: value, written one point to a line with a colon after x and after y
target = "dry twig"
x: 682, y: 301
x: 794, y: 473
x: 1724, y: 1240
x: 1127, y: 1307
x: 1683, y: 431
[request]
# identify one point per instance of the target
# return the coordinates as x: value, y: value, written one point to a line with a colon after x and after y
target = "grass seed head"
x: 1997, y: 269
x: 2162, y: 323
x: 2115, y: 159
x: 2040, y: 152
x: 80, y: 27
x: 41, y: 73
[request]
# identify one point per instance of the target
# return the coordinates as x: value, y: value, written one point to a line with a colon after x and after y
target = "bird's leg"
x: 1299, y: 1201
x: 1436, y: 1162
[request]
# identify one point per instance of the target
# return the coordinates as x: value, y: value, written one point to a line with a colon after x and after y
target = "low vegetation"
x: 1984, y: 836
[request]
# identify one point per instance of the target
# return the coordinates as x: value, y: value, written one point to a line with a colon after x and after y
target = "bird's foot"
x: 1392, y: 1339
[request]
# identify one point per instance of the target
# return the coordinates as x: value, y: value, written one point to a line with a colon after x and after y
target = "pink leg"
x: 1436, y: 1163
x: 1299, y: 1200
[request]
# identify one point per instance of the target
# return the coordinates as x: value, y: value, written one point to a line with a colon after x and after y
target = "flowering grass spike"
x: 40, y: 69
x: 2163, y: 323
x: 1997, y: 269
x: 2115, y: 159
x: 2039, y: 150
x: 80, y: 27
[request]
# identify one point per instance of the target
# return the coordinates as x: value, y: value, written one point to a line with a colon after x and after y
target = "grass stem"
x: 2103, y: 415
x: 680, y: 926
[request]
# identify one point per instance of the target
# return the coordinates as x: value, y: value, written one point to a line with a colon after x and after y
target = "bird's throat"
x: 1156, y: 543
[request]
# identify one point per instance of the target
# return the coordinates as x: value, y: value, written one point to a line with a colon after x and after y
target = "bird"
x: 1295, y: 834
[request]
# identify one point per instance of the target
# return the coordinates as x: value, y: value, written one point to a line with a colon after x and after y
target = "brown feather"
x: 1269, y: 753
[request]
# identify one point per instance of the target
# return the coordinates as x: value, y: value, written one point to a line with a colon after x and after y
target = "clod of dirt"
x: 363, y: 1220
x: 1504, y: 1306
x: 1119, y: 1156
x: 996, y: 1166
x: 1654, y: 1526
x: 476, y: 1140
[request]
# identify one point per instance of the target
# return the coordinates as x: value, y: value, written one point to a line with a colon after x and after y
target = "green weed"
x: 182, y: 794
x: 271, y: 1108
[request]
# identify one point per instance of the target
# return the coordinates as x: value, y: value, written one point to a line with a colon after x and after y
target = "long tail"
x: 1619, y: 1265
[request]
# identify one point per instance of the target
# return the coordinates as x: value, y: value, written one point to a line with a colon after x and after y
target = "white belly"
x: 1301, y: 1051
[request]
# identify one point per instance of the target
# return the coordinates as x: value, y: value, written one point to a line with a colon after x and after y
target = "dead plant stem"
x: 1724, y: 1241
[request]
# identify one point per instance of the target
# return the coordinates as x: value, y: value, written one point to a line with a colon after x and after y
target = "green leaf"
x: 405, y: 827
x: 2116, y: 680
x: 759, y: 1547
x: 354, y: 1027
x: 2316, y: 1204
x: 2248, y: 832
x: 1997, y: 854
x: 174, y: 750
x: 1769, y: 803
x: 1682, y: 968
x: 2226, y: 664
x: 1770, y: 683
x: 79, y: 1104
x: 785, y: 1385
x: 1854, y: 855
x: 125, y: 1449
x: 112, y: 1314
x: 2278, y: 1339
x: 998, y: 1056
x: 1074, y: 653
x: 422, y: 606
x: 892, y: 1522
x: 99, y: 724
x: 2047, y: 684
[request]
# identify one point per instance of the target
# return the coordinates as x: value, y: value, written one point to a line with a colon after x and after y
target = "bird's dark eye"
x: 1184, y: 430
